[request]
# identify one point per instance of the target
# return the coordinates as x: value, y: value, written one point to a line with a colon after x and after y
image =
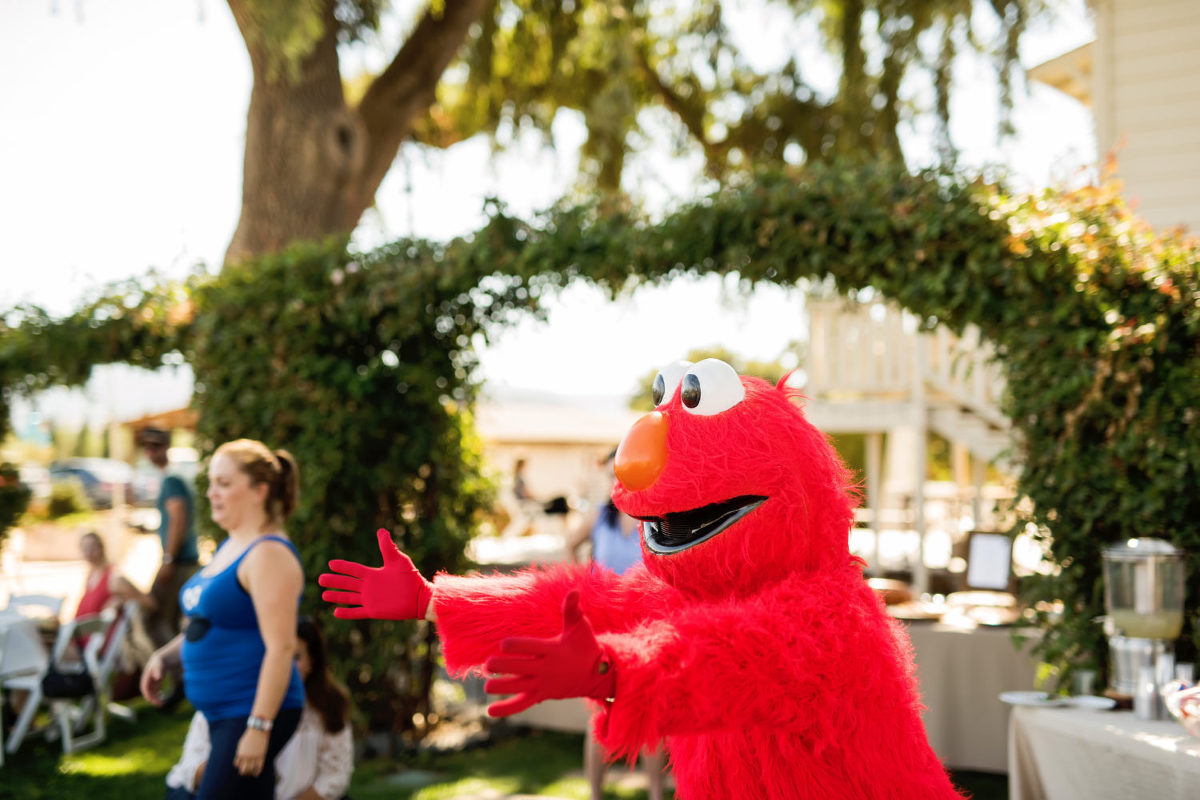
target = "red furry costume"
x: 749, y: 640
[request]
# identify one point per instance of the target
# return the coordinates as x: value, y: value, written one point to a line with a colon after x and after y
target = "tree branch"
x: 406, y: 89
x: 855, y: 101
x: 689, y: 113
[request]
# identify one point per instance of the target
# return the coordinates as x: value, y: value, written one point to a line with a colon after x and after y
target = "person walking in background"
x: 238, y: 649
x: 316, y: 764
x: 177, y: 531
x: 525, y: 508
x: 617, y: 546
x: 520, y: 488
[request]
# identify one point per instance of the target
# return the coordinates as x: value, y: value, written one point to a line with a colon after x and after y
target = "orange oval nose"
x: 643, y: 452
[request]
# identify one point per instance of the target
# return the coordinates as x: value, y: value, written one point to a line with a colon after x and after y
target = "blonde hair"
x: 275, y: 468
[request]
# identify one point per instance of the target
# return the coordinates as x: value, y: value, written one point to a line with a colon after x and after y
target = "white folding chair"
x: 51, y: 603
x: 101, y: 657
x: 66, y: 711
x: 111, y: 659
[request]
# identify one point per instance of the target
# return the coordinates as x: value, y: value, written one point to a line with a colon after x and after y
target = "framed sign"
x: 989, y: 561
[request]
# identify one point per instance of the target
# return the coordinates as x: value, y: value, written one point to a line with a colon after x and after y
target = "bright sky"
x: 121, y: 150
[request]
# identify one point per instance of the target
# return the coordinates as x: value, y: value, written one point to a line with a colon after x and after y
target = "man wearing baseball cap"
x: 177, y: 531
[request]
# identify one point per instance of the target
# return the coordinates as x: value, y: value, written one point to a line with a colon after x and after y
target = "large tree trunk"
x: 312, y: 164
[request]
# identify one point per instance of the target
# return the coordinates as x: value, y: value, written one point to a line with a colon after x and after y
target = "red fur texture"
x: 760, y: 654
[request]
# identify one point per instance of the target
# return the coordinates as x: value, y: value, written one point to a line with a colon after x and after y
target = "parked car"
x: 100, y: 478
x: 37, y: 478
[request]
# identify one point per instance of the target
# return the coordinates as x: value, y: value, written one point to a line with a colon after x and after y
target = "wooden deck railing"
x: 874, y: 351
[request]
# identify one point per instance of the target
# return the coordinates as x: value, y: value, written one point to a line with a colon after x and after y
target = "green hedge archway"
x: 362, y: 363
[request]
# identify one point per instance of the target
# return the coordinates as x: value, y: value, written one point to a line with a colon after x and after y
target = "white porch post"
x: 875, y: 492
x: 921, y: 451
x: 978, y: 476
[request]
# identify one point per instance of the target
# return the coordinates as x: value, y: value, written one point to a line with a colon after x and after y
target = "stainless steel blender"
x: 1143, y: 596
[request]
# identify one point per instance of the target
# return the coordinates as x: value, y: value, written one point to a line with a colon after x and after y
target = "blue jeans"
x: 221, y: 779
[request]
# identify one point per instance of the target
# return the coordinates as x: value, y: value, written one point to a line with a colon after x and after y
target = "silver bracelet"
x: 259, y: 724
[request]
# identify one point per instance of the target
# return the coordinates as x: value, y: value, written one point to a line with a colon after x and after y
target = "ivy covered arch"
x: 362, y: 364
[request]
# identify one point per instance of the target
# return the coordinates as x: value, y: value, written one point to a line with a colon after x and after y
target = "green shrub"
x: 67, y: 497
x: 14, y: 498
x: 360, y: 366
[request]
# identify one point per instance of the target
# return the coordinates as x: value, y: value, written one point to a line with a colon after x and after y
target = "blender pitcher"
x: 1143, y: 596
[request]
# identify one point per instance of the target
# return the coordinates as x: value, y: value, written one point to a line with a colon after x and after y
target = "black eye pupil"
x: 660, y: 388
x: 691, y: 391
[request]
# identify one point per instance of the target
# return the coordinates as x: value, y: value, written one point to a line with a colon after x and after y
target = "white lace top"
x: 315, y: 757
x: 312, y: 757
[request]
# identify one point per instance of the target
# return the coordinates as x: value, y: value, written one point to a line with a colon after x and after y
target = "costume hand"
x: 572, y: 664
x: 394, y: 591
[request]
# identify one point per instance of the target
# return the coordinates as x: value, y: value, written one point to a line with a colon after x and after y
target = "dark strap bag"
x: 60, y: 685
x: 557, y: 505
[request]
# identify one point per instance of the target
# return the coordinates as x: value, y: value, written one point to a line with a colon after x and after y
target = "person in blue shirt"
x: 177, y: 532
x: 237, y: 650
x: 616, y: 545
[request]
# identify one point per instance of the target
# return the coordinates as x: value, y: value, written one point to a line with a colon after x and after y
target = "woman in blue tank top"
x: 237, y: 649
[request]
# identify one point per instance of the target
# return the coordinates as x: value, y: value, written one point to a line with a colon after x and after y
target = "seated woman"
x: 317, y: 762
x: 105, y: 586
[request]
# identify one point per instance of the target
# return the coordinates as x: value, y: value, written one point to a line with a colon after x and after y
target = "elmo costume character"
x: 748, y: 640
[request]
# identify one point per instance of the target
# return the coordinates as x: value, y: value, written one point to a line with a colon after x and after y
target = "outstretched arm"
x: 475, y: 613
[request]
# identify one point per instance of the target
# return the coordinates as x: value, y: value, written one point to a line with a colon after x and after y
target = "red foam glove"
x: 572, y: 664
x: 394, y: 591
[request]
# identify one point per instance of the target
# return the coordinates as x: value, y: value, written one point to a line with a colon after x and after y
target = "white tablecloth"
x: 23, y: 651
x: 961, y: 675
x: 1065, y: 753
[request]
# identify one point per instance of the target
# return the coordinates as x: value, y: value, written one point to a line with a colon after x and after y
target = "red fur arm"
x: 475, y: 613
x: 772, y: 660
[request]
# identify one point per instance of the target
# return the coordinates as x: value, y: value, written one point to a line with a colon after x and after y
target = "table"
x: 1073, y: 753
x: 961, y: 675
x: 23, y: 649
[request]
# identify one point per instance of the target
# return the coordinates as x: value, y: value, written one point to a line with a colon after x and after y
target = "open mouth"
x: 680, y: 530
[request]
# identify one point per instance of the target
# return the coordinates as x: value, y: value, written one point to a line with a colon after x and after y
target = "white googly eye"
x: 710, y: 387
x: 667, y: 380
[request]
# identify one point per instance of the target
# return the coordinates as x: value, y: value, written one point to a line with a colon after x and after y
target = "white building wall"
x: 1147, y: 94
